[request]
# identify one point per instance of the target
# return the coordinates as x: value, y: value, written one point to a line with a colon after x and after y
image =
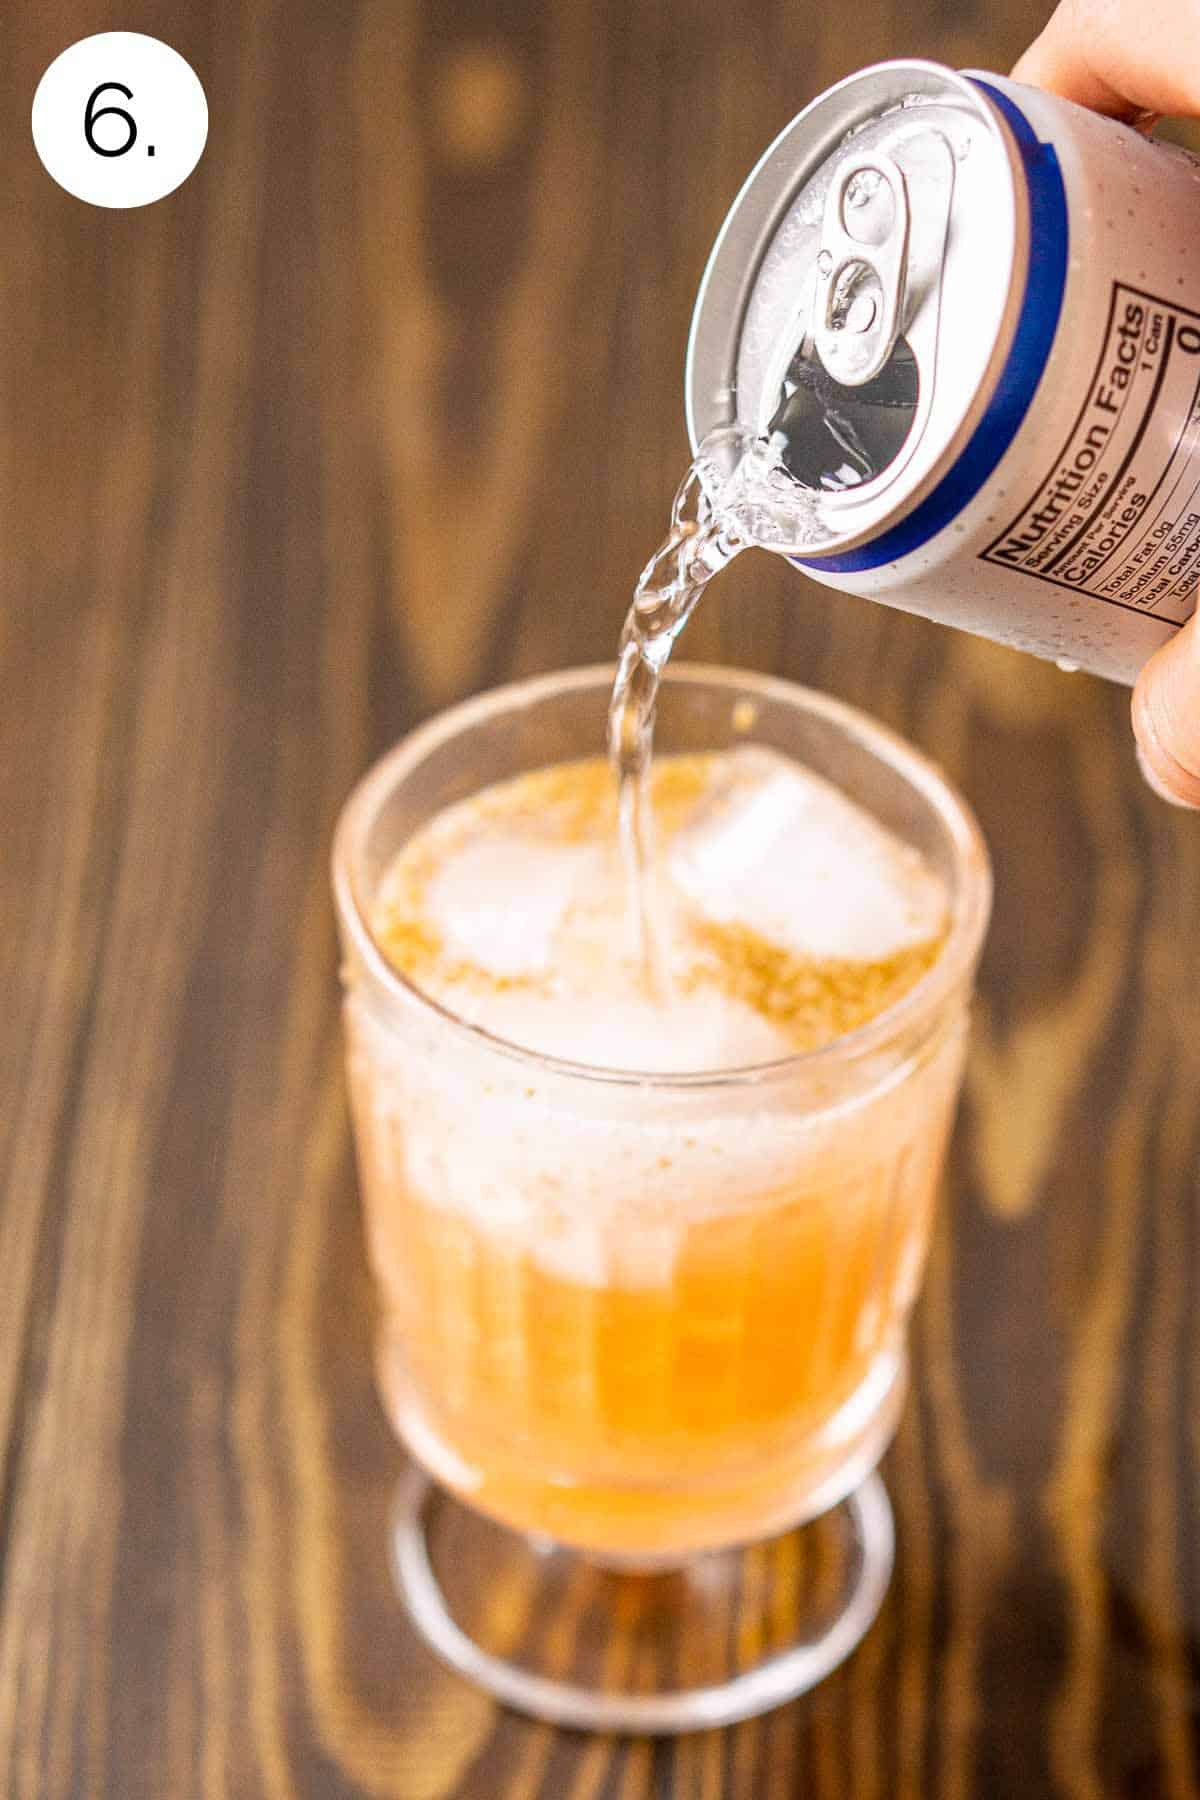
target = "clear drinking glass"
x: 646, y: 1326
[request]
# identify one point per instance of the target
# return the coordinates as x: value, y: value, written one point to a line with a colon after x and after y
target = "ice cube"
x: 779, y: 850
x: 498, y: 901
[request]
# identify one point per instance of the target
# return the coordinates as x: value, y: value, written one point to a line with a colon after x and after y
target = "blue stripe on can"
x: 1041, y: 306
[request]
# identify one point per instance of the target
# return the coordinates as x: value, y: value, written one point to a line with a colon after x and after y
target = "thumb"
x: 1166, y: 718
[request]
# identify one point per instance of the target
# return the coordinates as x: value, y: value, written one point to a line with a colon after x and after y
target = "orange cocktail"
x: 645, y: 1260
x: 645, y: 1411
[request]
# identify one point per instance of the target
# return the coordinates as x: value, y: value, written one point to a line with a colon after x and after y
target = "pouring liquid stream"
x: 697, y: 545
x: 736, y: 493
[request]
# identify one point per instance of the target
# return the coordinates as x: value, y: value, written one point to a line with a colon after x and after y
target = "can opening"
x: 892, y: 206
x: 833, y: 437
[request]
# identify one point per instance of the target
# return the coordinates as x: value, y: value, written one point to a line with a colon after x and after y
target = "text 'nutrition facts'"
x: 1118, y: 514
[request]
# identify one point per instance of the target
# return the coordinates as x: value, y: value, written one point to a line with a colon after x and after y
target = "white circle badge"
x: 120, y: 119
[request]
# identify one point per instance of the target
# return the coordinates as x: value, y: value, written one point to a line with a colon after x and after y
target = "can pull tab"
x: 861, y: 268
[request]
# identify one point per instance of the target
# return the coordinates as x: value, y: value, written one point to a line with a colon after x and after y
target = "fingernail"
x: 1151, y: 778
x: 1165, y: 708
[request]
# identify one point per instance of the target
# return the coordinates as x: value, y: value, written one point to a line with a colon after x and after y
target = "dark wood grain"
x: 381, y: 407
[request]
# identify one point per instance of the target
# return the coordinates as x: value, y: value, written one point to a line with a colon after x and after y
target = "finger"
x: 1166, y: 718
x: 1120, y: 57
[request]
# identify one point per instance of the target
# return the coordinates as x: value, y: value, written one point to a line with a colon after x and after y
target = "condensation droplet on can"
x: 862, y: 187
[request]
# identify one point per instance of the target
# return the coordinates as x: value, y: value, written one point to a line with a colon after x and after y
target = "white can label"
x: 1118, y: 514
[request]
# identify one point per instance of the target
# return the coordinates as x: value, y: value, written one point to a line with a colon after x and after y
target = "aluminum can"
x: 973, y: 310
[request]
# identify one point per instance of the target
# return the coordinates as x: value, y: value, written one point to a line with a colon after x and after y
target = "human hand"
x: 1136, y: 63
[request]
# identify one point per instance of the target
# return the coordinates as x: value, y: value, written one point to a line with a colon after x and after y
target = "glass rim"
x: 971, y: 901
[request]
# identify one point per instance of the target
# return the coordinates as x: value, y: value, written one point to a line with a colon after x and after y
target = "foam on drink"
x: 785, y: 915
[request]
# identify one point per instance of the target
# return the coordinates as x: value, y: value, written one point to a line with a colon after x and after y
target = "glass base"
x: 719, y: 1637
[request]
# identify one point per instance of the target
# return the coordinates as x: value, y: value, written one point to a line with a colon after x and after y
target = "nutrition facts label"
x: 1117, y: 515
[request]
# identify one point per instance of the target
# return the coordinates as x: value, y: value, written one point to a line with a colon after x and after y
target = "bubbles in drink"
x: 785, y: 915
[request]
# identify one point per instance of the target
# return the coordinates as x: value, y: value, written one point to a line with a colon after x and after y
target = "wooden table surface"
x: 380, y: 408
